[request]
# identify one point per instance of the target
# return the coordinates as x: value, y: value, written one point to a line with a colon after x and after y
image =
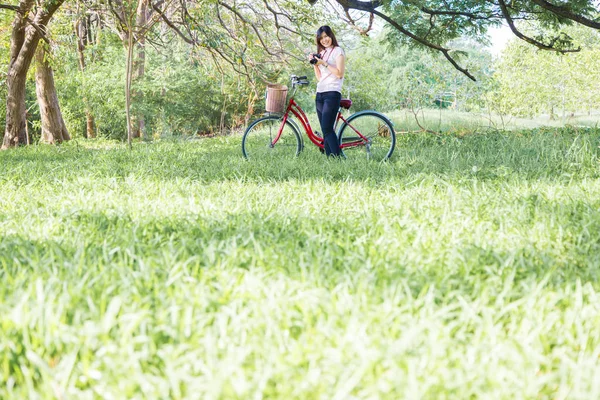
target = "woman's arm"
x: 340, y: 62
x: 317, y: 71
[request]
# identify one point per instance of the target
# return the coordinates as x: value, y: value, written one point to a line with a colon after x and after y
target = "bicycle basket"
x: 276, y: 96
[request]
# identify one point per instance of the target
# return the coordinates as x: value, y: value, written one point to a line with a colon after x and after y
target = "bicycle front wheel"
x: 261, y: 140
x: 367, y: 134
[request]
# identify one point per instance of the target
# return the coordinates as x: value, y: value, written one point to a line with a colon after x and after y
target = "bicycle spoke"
x: 368, y: 135
x: 261, y: 140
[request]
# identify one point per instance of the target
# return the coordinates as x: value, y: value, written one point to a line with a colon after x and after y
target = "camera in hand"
x: 315, y: 58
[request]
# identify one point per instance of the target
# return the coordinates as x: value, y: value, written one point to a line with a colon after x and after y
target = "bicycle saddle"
x: 346, y: 103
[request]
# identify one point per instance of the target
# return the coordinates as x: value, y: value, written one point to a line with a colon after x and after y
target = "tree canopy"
x: 433, y: 23
x: 227, y: 49
x: 532, y: 82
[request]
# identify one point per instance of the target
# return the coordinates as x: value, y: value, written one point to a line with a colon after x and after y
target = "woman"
x: 329, y: 70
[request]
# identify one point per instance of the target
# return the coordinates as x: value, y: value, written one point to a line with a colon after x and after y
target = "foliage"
x: 179, y: 270
x: 443, y: 28
x: 218, y: 84
x: 210, y: 84
x: 102, y: 84
x: 433, y: 24
x: 532, y: 82
x: 387, y: 78
x: 442, y: 22
x: 183, y: 91
x: 180, y: 95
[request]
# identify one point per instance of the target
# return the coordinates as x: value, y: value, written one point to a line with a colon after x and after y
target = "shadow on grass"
x: 120, y: 250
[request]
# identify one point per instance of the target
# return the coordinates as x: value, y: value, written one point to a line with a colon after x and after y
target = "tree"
x: 54, y: 129
x: 127, y: 13
x: 255, y: 40
x: 418, y: 78
x: 27, y: 30
x: 133, y: 22
x: 433, y: 23
x: 250, y: 39
x: 83, y: 26
x: 533, y: 82
x: 139, y: 63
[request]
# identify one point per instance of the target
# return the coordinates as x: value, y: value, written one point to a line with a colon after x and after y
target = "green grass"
x: 447, y: 120
x: 464, y: 268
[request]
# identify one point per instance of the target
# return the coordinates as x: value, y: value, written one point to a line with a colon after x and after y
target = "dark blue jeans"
x: 328, y: 104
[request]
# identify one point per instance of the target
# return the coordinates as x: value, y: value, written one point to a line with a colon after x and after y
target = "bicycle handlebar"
x: 299, y: 80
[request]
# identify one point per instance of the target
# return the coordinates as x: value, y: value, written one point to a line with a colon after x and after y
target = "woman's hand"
x: 316, y: 66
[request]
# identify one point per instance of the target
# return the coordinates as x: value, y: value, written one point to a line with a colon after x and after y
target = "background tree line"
x: 201, y: 67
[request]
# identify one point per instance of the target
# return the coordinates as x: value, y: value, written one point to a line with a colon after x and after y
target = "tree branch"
x: 25, y: 15
x: 460, y: 14
x: 9, y: 7
x: 172, y: 25
x: 352, y: 22
x: 527, y: 39
x: 241, y: 17
x: 369, y: 6
x: 443, y: 50
x: 565, y: 12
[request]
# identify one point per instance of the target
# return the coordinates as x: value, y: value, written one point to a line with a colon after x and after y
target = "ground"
x: 467, y: 267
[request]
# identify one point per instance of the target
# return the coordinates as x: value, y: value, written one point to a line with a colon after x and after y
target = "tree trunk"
x: 90, y: 125
x: 139, y: 67
x: 133, y: 30
x: 21, y: 53
x: 23, y: 44
x: 54, y: 129
x: 14, y: 133
x: 82, y: 28
x: 128, y: 76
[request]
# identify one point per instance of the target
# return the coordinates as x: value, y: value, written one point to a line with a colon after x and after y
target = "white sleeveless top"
x: 329, y: 82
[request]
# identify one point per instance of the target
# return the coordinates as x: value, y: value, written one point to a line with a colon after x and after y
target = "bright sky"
x: 499, y: 38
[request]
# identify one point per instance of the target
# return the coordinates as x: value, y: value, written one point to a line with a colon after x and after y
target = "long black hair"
x: 327, y: 30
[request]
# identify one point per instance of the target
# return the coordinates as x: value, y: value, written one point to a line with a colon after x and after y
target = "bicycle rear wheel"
x: 379, y: 136
x: 258, y: 141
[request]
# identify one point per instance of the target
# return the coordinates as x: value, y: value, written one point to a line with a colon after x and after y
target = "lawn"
x: 446, y: 120
x: 467, y: 267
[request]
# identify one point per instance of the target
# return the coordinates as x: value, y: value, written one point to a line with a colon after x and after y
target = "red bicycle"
x: 365, y: 133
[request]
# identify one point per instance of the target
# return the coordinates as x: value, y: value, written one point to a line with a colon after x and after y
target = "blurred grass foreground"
x: 466, y: 267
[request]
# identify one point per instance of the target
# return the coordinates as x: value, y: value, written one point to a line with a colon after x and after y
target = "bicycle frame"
x: 298, y: 112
